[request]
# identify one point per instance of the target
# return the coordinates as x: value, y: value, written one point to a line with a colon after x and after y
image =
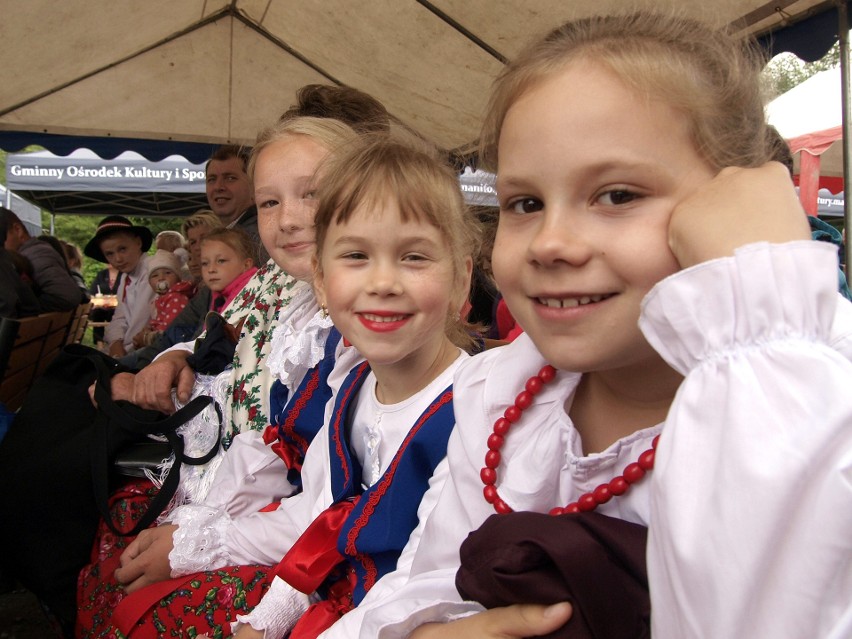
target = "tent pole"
x: 843, y: 36
x: 52, y: 223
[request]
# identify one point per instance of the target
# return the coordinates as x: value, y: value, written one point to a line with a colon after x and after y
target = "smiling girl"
x: 394, y: 258
x: 665, y: 297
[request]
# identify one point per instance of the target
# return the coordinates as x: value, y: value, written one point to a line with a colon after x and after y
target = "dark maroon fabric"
x: 595, y: 562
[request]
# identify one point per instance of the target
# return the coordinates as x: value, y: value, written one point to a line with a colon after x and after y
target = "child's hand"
x: 737, y: 207
x: 140, y: 337
x: 511, y: 622
x: 146, y: 560
x: 245, y: 631
x: 116, y: 349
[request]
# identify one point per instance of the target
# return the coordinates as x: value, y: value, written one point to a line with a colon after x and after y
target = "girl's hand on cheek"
x: 737, y: 207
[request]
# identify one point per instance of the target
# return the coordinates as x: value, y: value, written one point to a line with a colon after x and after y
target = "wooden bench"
x: 78, y: 324
x: 27, y: 346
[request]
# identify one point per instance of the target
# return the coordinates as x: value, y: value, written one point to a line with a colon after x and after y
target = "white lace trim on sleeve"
x: 278, y: 611
x: 198, y: 540
x: 298, y: 343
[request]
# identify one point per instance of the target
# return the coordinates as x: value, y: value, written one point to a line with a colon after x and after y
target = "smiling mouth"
x: 572, y: 302
x: 383, y: 318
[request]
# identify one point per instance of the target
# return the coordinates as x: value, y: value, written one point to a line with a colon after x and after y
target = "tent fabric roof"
x: 217, y: 71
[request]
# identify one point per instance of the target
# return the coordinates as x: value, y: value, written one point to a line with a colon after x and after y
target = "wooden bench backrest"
x: 78, y: 323
x: 27, y: 346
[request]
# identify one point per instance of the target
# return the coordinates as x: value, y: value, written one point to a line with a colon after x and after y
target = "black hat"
x: 112, y: 224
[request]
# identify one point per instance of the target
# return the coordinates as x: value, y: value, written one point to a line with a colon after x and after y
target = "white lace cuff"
x: 278, y: 611
x: 198, y: 539
x: 298, y: 343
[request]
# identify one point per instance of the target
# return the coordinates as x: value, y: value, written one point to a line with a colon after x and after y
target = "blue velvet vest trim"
x: 385, y: 514
x: 298, y: 420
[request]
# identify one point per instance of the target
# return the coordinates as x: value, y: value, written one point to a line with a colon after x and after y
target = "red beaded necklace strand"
x: 587, y: 502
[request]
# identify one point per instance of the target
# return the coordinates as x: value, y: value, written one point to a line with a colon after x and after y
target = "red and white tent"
x: 809, y: 118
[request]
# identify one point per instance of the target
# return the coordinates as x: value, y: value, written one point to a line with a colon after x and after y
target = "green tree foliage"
x: 785, y: 70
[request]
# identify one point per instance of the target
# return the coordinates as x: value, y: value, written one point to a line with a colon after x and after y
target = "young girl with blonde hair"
x: 685, y: 362
x: 393, y: 266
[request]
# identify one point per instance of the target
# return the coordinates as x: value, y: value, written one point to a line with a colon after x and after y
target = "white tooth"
x: 584, y: 300
x: 596, y: 298
x: 570, y: 303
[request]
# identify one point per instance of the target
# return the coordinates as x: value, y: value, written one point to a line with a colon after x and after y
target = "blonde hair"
x: 330, y: 134
x: 709, y: 75
x: 202, y: 217
x: 237, y: 239
x: 425, y: 189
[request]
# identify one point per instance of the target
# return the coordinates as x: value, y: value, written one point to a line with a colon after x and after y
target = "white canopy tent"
x: 219, y: 70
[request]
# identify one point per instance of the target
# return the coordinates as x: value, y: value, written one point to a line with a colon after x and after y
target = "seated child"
x: 400, y: 255
x: 123, y: 245
x: 669, y: 292
x: 174, y: 242
x: 172, y: 295
x: 227, y: 263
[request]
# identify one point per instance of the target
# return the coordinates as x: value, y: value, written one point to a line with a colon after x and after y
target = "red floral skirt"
x: 184, y: 607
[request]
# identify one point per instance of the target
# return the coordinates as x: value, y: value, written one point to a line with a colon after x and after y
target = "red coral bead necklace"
x: 587, y: 502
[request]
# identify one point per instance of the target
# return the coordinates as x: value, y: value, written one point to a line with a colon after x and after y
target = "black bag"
x: 56, y: 469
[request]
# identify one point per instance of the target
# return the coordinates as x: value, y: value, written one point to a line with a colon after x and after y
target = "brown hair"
x: 237, y: 239
x: 361, y: 111
x: 72, y: 255
x: 426, y: 189
x: 228, y: 151
x: 709, y: 75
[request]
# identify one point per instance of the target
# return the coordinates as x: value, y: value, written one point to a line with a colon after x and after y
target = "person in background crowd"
x: 105, y: 283
x: 16, y: 295
x: 121, y: 243
x: 174, y: 242
x: 190, y: 322
x: 53, y: 285
x: 74, y: 259
x: 172, y: 295
x: 230, y: 193
x: 227, y: 263
x: 196, y: 227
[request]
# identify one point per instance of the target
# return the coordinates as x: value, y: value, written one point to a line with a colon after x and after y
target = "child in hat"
x: 172, y: 295
x: 123, y: 245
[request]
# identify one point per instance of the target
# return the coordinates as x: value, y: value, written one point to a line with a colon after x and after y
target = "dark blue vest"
x: 385, y: 514
x: 294, y: 423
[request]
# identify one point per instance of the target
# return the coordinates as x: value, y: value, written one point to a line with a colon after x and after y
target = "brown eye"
x: 617, y: 197
x: 526, y: 205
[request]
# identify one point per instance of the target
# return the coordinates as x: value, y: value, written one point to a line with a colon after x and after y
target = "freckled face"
x: 284, y: 192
